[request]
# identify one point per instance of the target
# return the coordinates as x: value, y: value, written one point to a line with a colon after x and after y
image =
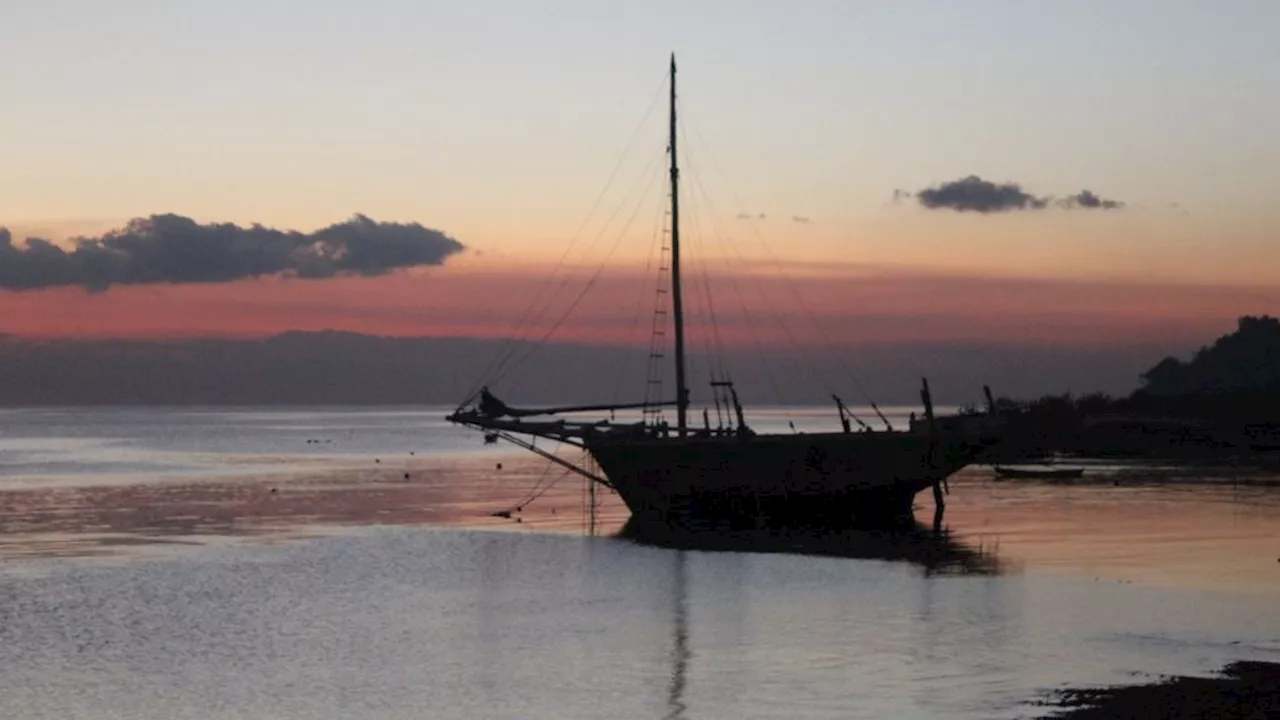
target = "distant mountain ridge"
x: 344, y: 368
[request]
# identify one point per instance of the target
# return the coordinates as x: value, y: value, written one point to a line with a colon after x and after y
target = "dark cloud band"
x: 177, y: 249
x: 973, y: 194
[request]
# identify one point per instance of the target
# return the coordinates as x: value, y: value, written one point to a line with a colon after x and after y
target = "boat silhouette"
x: 728, y: 473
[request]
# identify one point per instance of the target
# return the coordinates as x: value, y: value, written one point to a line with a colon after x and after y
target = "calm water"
x: 251, y: 564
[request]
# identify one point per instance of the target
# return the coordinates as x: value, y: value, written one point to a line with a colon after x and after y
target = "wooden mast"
x: 677, y: 307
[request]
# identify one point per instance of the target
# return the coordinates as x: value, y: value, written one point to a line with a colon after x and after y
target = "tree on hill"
x: 1247, y: 360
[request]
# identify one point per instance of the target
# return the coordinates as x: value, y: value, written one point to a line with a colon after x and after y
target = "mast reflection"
x: 680, y: 641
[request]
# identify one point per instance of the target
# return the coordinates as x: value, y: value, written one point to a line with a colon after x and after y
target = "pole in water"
x: 939, y: 504
x: 591, y: 509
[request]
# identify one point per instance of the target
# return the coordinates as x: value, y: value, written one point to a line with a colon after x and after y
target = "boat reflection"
x: 934, y: 549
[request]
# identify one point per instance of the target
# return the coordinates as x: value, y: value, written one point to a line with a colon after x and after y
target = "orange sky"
x: 851, y: 304
x: 461, y: 118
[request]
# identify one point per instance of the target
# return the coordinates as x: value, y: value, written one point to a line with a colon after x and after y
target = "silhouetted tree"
x: 1247, y: 360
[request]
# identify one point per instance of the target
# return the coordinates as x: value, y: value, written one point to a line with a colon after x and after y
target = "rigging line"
x: 586, y: 288
x: 700, y: 299
x: 517, y: 331
x: 501, y: 370
x: 746, y: 314
x: 525, y: 503
x: 700, y: 258
x: 695, y: 335
x: 726, y: 240
x: 655, y: 371
x: 531, y: 350
x: 790, y: 284
x: 696, y: 310
x: 654, y: 244
x: 742, y: 303
x: 657, y: 328
x: 498, y: 371
x: 805, y: 356
x: 533, y: 491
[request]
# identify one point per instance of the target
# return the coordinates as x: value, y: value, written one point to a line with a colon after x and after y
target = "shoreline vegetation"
x: 1220, y: 405
x: 1245, y: 690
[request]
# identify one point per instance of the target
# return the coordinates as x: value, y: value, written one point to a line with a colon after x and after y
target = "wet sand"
x: 63, y: 519
x: 1244, y: 691
x: 1213, y: 534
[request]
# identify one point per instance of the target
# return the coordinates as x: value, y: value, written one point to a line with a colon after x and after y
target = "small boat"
x: 1045, y: 473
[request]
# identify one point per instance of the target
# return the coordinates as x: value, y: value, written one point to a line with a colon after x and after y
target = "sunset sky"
x: 498, y: 123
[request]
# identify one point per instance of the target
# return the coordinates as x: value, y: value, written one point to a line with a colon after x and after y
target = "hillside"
x: 1245, y: 361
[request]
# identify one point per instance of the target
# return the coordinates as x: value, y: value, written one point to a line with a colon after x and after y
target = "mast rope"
x: 737, y: 291
x: 657, y: 325
x: 517, y: 334
x: 781, y: 271
x: 537, y: 345
x: 655, y: 242
x: 716, y: 359
x: 726, y: 240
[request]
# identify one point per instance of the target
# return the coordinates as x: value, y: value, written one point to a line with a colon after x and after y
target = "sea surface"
x: 339, y: 563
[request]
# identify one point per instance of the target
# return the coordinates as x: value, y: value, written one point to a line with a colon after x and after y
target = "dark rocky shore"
x: 1245, y: 691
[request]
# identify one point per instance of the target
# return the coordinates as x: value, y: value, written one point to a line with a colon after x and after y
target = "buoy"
x: 499, y: 466
x: 406, y: 476
x: 376, y: 461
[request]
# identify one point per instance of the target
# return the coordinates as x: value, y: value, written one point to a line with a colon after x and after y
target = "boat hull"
x: 828, y: 479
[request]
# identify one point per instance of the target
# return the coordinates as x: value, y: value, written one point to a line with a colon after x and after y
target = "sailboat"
x: 709, y: 476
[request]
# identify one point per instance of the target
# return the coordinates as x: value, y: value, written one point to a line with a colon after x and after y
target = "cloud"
x: 177, y: 249
x: 974, y: 194
x: 899, y: 195
x: 1089, y: 201
x: 801, y: 219
x: 750, y: 216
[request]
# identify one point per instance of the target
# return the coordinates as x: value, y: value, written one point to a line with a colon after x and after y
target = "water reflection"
x: 932, y: 548
x: 680, y: 653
